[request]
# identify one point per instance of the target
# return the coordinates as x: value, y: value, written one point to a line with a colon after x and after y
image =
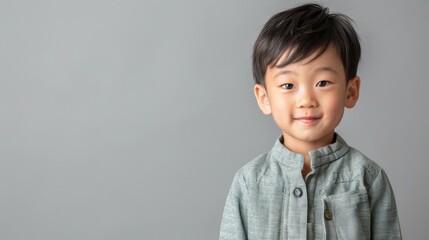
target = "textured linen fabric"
x: 346, y: 196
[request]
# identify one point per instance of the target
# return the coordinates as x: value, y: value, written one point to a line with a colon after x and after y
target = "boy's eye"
x: 323, y: 83
x: 287, y: 86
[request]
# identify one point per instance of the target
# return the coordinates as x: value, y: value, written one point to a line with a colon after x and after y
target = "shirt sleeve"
x: 384, y: 214
x: 234, y: 220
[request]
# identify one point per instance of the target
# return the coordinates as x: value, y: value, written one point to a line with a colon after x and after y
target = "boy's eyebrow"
x: 284, y: 72
x: 328, y: 69
x: 321, y: 69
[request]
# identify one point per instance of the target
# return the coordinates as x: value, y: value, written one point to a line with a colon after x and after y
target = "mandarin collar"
x: 319, y: 157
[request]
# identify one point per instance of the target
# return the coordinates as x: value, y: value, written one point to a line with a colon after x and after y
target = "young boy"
x: 311, y: 185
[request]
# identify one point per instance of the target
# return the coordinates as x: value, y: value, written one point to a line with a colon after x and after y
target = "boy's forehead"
x: 329, y: 56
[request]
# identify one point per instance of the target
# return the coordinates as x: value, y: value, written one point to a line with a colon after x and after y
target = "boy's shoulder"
x: 255, y: 168
x: 355, y: 159
x: 358, y: 164
x: 256, y: 165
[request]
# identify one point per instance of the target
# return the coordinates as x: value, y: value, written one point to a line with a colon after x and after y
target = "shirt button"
x: 297, y: 192
x: 328, y: 214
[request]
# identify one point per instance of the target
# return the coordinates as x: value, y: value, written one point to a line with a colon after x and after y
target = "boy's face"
x: 307, y: 99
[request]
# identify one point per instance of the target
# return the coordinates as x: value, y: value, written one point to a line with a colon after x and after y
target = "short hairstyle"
x: 305, y: 30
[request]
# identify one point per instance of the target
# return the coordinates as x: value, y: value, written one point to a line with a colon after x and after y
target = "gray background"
x: 128, y: 119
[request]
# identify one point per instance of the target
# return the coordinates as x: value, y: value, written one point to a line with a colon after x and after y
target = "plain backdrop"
x: 126, y: 119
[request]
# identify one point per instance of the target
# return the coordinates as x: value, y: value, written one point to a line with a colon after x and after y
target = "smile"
x: 307, y: 120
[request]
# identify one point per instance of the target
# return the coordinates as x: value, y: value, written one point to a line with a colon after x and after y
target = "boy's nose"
x: 305, y: 99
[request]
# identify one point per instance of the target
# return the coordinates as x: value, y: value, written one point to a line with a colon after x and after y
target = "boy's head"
x: 305, y: 62
x: 303, y: 31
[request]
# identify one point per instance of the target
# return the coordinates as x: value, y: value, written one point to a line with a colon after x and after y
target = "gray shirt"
x: 345, y: 196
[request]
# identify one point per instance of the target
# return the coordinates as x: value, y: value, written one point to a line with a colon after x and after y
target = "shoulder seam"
x: 376, y: 177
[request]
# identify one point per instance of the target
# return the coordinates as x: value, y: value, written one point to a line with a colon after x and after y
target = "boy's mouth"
x: 307, y: 120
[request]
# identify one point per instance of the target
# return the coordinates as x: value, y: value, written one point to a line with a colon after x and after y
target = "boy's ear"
x: 262, y: 98
x: 353, y: 88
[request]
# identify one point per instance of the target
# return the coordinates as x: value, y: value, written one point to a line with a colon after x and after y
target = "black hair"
x: 303, y: 31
